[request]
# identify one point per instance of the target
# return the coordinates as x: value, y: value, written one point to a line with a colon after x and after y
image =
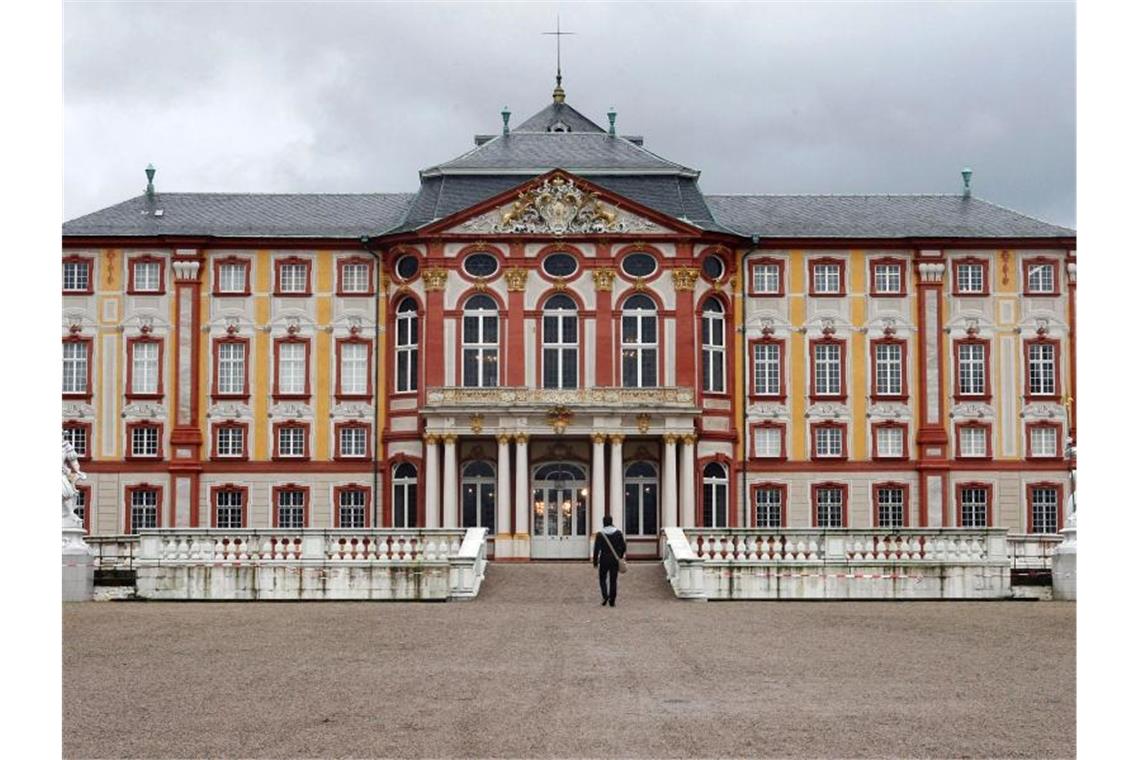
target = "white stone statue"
x: 1071, y: 502
x: 71, y: 475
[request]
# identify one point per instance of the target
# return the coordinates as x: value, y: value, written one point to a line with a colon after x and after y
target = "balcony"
x: 524, y: 399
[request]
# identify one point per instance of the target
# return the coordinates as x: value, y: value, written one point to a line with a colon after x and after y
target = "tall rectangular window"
x: 766, y: 364
x: 828, y: 441
x: 1043, y: 507
x: 766, y: 279
x: 971, y: 369
x: 354, y: 278
x: 973, y: 441
x: 229, y: 508
x: 353, y: 369
x: 292, y: 368
x: 769, y: 507
x: 75, y: 360
x: 888, y: 279
x: 970, y: 278
x: 144, y: 441
x: 828, y: 374
x: 290, y: 508
x: 146, y: 276
x: 1041, y: 278
x: 1043, y: 442
x: 769, y: 442
x: 81, y: 505
x: 352, y: 441
x: 827, y: 279
x: 293, y: 278
x: 143, y: 509
x: 231, y: 278
x: 351, y: 503
x: 828, y: 507
x: 407, y: 346
x: 77, y: 435
x: 890, y: 504
x: 975, y: 505
x: 144, y: 368
x: 291, y: 441
x: 230, y: 441
x: 888, y: 369
x: 1042, y: 369
x: 231, y: 369
x: 890, y: 441
x: 76, y: 276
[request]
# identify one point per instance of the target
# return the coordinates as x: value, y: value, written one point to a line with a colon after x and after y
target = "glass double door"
x: 559, y: 509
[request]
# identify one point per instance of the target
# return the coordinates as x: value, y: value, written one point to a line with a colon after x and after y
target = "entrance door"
x: 558, y: 512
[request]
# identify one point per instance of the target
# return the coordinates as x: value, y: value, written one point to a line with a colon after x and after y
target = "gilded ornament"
x: 670, y: 439
x: 616, y: 439
x: 476, y: 424
x: 435, y: 278
x: 599, y: 438
x: 503, y: 439
x: 604, y: 279
x: 685, y: 278
x: 643, y: 421
x: 559, y: 418
x: 516, y: 279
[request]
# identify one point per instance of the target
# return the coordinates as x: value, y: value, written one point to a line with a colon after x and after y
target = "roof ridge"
x: 1027, y: 216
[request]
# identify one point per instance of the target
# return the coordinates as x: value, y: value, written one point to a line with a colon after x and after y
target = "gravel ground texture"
x: 536, y: 668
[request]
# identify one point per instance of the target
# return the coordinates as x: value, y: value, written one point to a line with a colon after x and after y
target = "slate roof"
x: 875, y: 216
x: 248, y: 215
x: 554, y: 113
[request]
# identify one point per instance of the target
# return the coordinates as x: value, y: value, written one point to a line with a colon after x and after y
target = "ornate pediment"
x: 558, y: 207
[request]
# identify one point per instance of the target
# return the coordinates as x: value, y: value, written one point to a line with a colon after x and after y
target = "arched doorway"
x: 559, y: 507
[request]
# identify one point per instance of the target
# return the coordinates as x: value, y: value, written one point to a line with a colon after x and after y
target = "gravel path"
x: 535, y: 667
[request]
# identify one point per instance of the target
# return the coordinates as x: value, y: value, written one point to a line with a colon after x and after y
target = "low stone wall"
x: 311, y: 564
x: 948, y: 563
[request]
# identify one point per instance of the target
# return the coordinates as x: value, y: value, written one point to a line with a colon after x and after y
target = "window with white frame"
x: 888, y: 369
x: 975, y: 503
x: 714, y: 496
x: 75, y: 366
x: 973, y: 441
x: 769, y: 442
x: 480, y: 343
x: 404, y: 495
x: 146, y: 276
x: 769, y: 507
x: 144, y: 509
x: 1041, y: 278
x: 641, y: 497
x: 971, y: 369
x: 76, y: 435
x: 829, y: 507
x: 477, y: 486
x: 1043, y: 441
x: 766, y: 279
x: 407, y: 346
x: 229, y: 508
x: 144, y: 368
x: 231, y: 368
x: 291, y: 441
x: 560, y: 343
x: 144, y: 441
x: 353, y: 441
x: 1043, y: 503
x: 354, y: 277
x: 81, y: 504
x: 712, y: 347
x: 290, y: 508
x: 639, y: 343
x: 828, y: 359
x: 230, y: 441
x: 889, y: 441
x: 76, y: 276
x: 970, y: 277
x: 826, y: 278
x: 351, y: 506
x: 293, y: 278
x: 766, y: 369
x: 353, y: 369
x: 231, y: 277
x: 890, y: 502
x: 292, y: 368
x: 828, y: 440
x: 888, y: 278
x: 1042, y: 368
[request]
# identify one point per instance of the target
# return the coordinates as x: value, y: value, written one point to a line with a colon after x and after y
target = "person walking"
x: 609, y: 554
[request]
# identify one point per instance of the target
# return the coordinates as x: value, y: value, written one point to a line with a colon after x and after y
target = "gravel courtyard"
x: 535, y: 667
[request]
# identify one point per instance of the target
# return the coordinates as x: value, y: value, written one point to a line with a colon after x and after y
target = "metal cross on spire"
x: 559, y: 93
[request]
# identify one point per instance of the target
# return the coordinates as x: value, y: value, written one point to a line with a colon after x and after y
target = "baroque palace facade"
x: 559, y: 325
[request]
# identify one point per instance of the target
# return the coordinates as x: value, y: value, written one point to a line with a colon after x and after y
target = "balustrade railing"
x: 679, y: 397
x: 115, y: 552
x: 1032, y: 551
x: 809, y: 545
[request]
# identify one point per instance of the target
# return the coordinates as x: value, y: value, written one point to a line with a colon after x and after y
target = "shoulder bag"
x: 622, y: 566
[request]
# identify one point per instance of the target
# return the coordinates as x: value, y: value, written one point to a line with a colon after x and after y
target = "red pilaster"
x: 933, y: 455
x: 186, y: 437
x: 516, y: 350
x: 603, y: 288
x: 435, y: 280
x: 1071, y: 274
x: 686, y: 327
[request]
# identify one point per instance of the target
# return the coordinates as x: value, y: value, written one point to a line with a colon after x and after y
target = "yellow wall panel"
x: 324, y: 356
x: 797, y: 361
x: 261, y: 387
x: 857, y: 389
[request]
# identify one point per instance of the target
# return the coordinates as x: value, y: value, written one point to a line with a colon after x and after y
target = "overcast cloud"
x: 761, y: 98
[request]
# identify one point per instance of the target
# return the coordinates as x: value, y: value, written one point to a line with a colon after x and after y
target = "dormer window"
x: 559, y: 126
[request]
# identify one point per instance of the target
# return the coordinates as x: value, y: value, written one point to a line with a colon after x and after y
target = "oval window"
x: 559, y: 265
x: 480, y: 265
x: 639, y: 265
x: 713, y: 267
x: 407, y: 267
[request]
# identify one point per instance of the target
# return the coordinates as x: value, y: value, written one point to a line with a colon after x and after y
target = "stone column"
x: 431, y: 481
x: 503, y: 494
x: 688, y: 483
x: 450, y: 483
x: 598, y: 488
x: 669, y: 482
x: 522, y: 487
x: 617, y: 476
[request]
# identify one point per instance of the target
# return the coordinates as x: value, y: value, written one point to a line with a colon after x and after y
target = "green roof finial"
x: 150, y: 180
x: 506, y: 121
x: 612, y: 114
x: 967, y: 173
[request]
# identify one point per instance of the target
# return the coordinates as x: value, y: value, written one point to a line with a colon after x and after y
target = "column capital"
x: 435, y: 278
x: 617, y: 439
x: 450, y: 438
x: 670, y: 438
x: 516, y: 279
x: 604, y: 279
x: 503, y: 439
x: 685, y: 278
x: 431, y: 439
x: 599, y: 438
x: 521, y: 437
x: 689, y: 439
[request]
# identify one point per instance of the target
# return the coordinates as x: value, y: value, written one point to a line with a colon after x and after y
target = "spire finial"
x: 559, y: 93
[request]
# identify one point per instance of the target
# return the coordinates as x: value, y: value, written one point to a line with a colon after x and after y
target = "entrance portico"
x: 560, y: 477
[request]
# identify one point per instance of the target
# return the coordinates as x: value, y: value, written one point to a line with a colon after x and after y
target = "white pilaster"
x: 617, y: 476
x: 688, y: 484
x: 669, y: 483
x: 522, y: 502
x: 450, y: 483
x: 598, y: 488
x: 431, y: 481
x: 503, y: 491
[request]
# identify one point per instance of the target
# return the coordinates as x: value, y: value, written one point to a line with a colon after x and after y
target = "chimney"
x: 506, y: 121
x: 967, y: 173
x: 150, y: 181
x: 612, y: 114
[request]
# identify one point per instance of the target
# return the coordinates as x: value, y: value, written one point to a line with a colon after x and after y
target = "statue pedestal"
x: 1065, y: 566
x: 78, y: 566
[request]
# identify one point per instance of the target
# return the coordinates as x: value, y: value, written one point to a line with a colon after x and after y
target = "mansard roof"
x: 876, y: 216
x: 555, y: 114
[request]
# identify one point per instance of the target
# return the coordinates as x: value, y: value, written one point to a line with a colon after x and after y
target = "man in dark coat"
x: 607, y: 561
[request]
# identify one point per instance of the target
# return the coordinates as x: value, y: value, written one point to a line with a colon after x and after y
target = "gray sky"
x: 762, y: 98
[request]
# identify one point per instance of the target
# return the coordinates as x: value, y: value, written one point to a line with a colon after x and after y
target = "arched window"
x: 480, y: 343
x: 478, y: 489
x: 712, y: 347
x: 407, y: 346
x: 715, y: 496
x: 641, y: 499
x: 405, y: 485
x: 639, y: 343
x: 560, y: 343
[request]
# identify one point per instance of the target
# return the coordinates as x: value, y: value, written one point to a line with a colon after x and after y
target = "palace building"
x: 557, y: 325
